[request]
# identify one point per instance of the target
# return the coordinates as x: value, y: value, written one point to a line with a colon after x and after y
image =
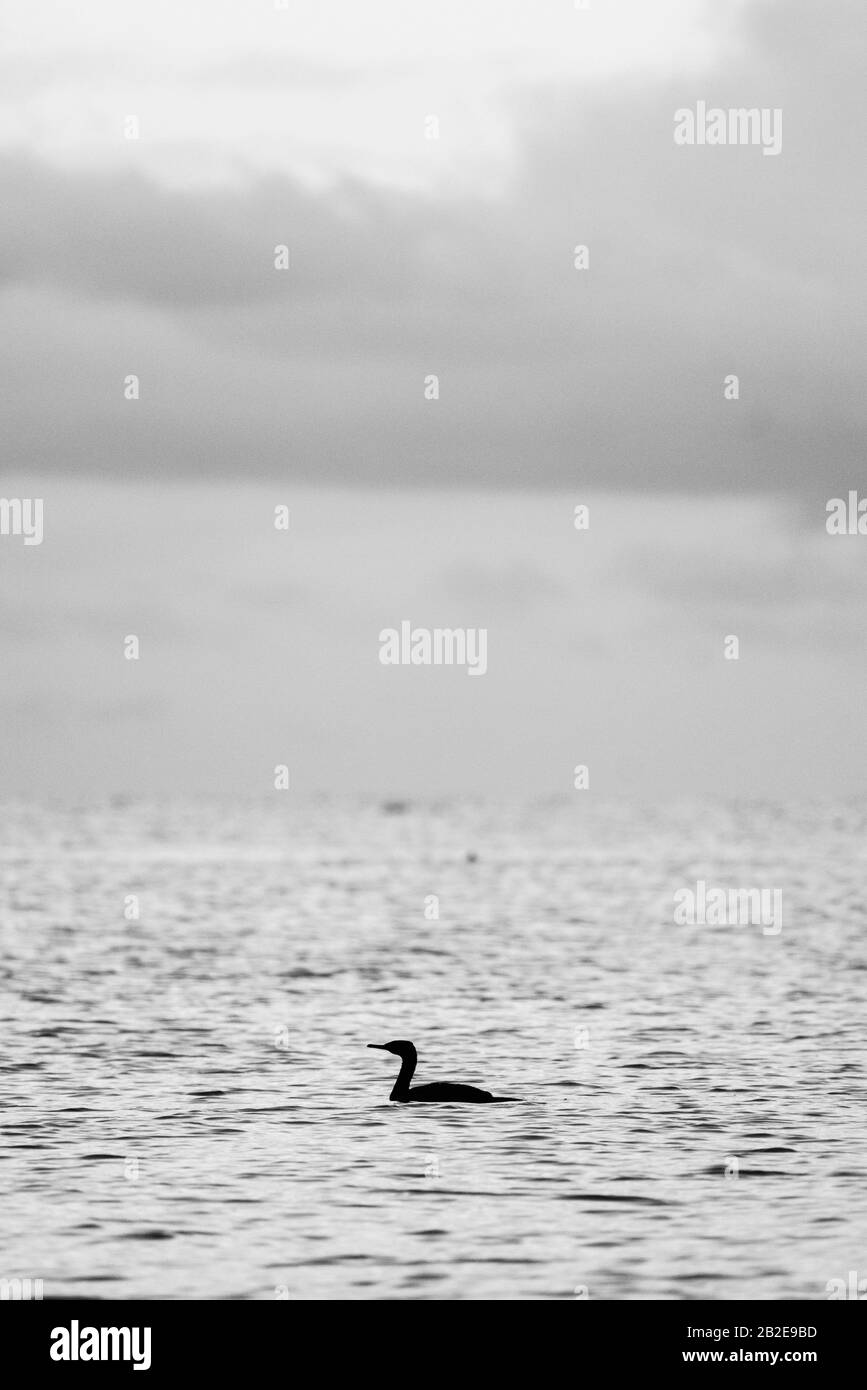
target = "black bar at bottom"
x: 63, y: 1338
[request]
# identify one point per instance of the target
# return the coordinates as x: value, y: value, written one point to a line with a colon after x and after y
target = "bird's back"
x: 449, y: 1090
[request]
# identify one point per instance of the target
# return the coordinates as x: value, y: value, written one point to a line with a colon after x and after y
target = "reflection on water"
x: 189, y: 1109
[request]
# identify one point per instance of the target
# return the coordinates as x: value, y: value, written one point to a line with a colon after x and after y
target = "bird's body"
x: 447, y: 1090
x: 438, y: 1090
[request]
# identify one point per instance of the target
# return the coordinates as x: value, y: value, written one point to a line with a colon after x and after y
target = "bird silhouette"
x: 439, y: 1090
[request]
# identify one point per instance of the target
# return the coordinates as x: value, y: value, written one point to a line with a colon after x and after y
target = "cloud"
x: 704, y: 262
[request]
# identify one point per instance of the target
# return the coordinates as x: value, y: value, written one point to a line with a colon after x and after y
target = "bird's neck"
x: 404, y: 1076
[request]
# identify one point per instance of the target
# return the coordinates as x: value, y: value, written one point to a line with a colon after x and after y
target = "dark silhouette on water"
x: 439, y: 1090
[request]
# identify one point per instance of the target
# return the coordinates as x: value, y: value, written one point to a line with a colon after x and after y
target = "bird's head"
x: 400, y: 1048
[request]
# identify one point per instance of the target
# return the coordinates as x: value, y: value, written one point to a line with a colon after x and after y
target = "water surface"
x: 189, y: 1109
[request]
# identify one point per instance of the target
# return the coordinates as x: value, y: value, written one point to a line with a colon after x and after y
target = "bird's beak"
x: 381, y: 1046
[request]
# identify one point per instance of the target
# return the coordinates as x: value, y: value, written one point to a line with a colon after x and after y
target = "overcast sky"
x: 410, y: 256
x: 260, y: 647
